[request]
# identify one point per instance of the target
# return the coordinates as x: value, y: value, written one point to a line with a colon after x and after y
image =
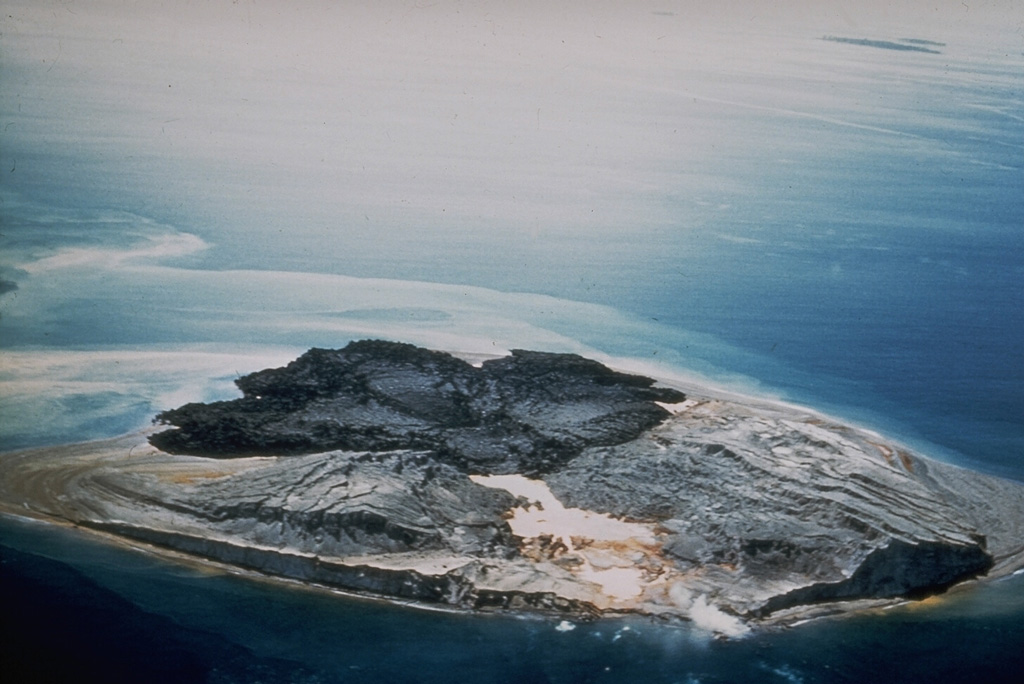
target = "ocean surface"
x: 811, y: 205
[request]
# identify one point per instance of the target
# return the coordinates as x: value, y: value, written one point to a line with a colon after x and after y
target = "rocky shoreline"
x: 536, y: 482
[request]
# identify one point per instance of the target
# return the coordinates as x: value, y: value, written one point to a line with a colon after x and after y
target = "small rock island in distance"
x: 534, y: 482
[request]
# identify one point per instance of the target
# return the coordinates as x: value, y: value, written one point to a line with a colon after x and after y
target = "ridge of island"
x: 535, y: 482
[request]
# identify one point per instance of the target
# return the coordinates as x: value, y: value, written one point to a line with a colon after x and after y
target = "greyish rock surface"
x: 538, y: 482
x: 525, y: 413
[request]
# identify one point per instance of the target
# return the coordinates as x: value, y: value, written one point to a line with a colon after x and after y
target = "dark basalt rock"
x: 899, y: 569
x: 527, y: 413
x: 751, y: 510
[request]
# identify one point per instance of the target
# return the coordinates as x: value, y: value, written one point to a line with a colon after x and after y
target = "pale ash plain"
x: 573, y: 561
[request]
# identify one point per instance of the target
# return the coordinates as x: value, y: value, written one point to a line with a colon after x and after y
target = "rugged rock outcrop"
x: 787, y: 510
x: 525, y: 413
x: 538, y: 482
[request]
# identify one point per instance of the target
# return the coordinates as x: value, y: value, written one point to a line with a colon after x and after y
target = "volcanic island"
x: 534, y: 482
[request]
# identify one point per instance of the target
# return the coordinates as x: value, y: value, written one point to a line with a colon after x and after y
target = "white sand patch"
x: 613, y: 567
x: 678, y: 407
x: 619, y: 583
x: 549, y: 516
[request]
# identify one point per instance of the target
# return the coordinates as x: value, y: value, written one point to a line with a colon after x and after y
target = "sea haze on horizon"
x: 783, y: 202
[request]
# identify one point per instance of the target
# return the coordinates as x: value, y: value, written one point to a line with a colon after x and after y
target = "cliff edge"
x: 535, y: 481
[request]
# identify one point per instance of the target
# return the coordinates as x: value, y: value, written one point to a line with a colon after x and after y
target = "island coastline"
x: 50, y: 503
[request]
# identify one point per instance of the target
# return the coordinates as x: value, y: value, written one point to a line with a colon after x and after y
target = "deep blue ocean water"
x: 118, y: 616
x: 194, y: 196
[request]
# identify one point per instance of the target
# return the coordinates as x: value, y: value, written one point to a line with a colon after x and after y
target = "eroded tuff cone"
x: 536, y: 481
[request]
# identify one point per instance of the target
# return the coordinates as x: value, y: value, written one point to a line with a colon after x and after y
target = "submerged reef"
x: 535, y: 481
